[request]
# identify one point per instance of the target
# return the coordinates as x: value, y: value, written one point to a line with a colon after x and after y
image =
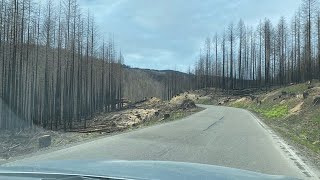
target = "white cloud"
x: 166, y: 33
x: 134, y: 57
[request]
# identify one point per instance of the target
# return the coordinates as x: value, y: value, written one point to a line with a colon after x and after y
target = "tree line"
x: 55, y: 69
x: 58, y: 70
x: 244, y: 56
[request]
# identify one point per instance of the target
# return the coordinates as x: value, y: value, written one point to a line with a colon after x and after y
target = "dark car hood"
x: 138, y: 170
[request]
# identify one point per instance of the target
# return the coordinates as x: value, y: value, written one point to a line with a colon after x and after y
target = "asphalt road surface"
x: 218, y: 136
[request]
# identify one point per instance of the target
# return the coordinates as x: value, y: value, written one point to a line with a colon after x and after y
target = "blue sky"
x: 167, y: 34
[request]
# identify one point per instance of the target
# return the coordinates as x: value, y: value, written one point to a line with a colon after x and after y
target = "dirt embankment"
x: 292, y: 111
x: 147, y: 112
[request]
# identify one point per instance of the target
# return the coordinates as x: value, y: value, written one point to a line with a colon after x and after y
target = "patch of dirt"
x: 133, y: 117
x: 153, y: 101
x: 283, y: 101
x: 274, y: 93
x: 296, y: 109
x: 191, y: 96
x: 300, y: 96
x: 177, y: 99
x: 242, y: 100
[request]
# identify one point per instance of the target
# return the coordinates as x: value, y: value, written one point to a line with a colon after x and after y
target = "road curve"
x: 218, y: 136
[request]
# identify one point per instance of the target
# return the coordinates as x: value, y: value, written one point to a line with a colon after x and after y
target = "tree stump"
x: 316, y: 100
x: 44, y: 141
x: 305, y: 95
x: 166, y: 116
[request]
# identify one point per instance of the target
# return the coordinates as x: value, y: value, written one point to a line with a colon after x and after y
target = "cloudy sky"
x: 167, y: 34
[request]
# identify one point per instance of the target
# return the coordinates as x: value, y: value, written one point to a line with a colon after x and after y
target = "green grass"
x: 277, y: 111
x: 316, y: 119
x: 300, y: 139
x: 268, y: 111
x: 298, y: 88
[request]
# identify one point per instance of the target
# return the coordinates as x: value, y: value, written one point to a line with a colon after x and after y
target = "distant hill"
x: 140, y: 83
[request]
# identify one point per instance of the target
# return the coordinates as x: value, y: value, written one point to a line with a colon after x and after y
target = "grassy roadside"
x: 293, y: 116
x: 291, y: 111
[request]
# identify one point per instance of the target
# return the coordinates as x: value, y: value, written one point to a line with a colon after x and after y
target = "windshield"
x: 225, y: 83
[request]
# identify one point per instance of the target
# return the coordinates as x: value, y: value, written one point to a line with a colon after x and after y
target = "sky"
x: 168, y: 34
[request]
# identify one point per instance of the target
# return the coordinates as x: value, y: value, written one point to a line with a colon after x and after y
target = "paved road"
x: 218, y: 136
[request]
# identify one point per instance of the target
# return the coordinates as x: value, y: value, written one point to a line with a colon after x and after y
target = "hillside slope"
x: 141, y: 83
x: 138, y: 84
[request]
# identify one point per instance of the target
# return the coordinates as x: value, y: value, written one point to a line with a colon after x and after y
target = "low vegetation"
x: 295, y: 115
x: 292, y: 111
x: 274, y: 112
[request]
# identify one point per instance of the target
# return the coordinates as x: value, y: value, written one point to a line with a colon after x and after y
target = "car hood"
x: 137, y: 170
